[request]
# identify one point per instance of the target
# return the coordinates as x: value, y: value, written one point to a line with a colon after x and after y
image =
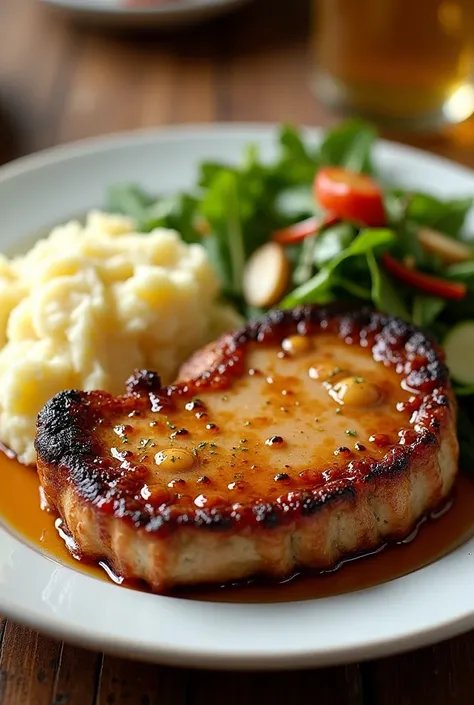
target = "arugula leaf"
x: 384, y: 295
x: 349, y: 145
x: 370, y: 239
x: 408, y: 244
x: 332, y: 242
x: 305, y: 264
x: 446, y: 216
x: 224, y: 208
x: 319, y: 286
x: 293, y: 253
x: 219, y: 258
x: 426, y: 310
x: 352, y: 287
x: 316, y: 290
x: 296, y: 164
x: 177, y: 212
x: 235, y: 238
x: 396, y: 207
x: 296, y: 203
x: 462, y: 272
x: 129, y: 200
x: 208, y: 172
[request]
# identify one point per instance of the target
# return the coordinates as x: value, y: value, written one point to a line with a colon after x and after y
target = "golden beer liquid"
x: 396, y: 60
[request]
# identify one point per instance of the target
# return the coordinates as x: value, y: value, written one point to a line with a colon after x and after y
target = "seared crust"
x: 354, y: 504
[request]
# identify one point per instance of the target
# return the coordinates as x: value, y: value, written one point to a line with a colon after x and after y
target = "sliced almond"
x: 449, y: 250
x: 266, y: 275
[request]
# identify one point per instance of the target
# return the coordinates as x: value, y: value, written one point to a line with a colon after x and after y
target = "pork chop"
x: 302, y: 439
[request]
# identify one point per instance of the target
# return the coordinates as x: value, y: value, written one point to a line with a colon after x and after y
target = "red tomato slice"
x: 350, y: 195
x: 304, y: 228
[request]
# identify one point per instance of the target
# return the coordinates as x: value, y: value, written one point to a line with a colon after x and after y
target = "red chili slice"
x: 428, y: 284
x: 297, y: 232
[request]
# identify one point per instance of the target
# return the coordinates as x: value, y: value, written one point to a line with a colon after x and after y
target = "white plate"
x: 430, y: 604
x: 170, y: 14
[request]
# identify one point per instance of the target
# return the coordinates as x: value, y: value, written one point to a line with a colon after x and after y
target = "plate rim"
x: 56, y: 154
x: 196, y: 7
x: 87, y: 145
x: 371, y: 647
x: 304, y: 660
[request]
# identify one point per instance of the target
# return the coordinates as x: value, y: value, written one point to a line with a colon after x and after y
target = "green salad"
x: 319, y: 224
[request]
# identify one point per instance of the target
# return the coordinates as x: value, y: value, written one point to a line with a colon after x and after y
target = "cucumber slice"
x: 459, y: 348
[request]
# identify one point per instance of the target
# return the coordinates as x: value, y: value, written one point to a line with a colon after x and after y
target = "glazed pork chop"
x: 300, y: 440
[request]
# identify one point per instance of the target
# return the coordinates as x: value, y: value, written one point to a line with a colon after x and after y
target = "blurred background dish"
x: 145, y: 13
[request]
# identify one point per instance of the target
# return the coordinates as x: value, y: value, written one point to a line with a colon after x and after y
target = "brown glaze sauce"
x: 393, y: 400
x: 20, y: 512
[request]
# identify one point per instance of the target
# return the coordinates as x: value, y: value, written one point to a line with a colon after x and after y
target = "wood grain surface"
x: 61, y: 82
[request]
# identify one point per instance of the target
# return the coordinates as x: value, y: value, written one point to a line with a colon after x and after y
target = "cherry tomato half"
x: 350, y: 196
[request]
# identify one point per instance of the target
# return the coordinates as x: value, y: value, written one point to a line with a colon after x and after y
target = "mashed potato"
x: 88, y: 305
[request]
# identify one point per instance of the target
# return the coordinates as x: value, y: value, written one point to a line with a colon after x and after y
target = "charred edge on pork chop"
x: 69, y: 449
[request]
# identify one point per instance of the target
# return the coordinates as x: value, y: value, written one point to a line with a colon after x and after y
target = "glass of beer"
x: 403, y: 63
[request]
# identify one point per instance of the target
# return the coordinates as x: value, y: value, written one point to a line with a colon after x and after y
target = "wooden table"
x: 59, y: 83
